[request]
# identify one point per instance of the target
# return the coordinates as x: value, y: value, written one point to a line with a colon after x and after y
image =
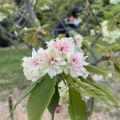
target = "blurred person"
x: 72, y: 21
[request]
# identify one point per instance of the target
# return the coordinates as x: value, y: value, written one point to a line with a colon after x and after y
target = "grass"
x: 11, y: 74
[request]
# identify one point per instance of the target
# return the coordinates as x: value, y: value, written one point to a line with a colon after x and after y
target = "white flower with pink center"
x: 31, y: 67
x: 51, y: 63
x: 78, y: 40
x: 63, y: 46
x: 60, y: 56
x: 75, y: 65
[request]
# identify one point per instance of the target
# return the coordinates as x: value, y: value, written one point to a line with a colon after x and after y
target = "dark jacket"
x: 63, y: 28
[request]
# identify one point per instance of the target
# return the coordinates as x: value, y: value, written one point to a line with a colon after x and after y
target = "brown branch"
x: 33, y: 17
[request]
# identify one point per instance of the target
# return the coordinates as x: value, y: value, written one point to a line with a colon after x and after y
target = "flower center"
x: 52, y: 61
x: 35, y: 62
x: 73, y: 59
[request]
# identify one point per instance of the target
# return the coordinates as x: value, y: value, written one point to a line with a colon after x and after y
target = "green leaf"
x: 117, y: 64
x: 77, y: 107
x: 4, y: 11
x: 109, y: 14
x: 95, y: 70
x: 45, y: 25
x: 28, y: 37
x: 117, y: 67
x: 102, y: 48
x: 54, y: 102
x: 109, y: 96
x: 37, y: 22
x: 111, y: 24
x: 115, y: 48
x: 86, y: 44
x: 40, y: 97
x: 94, y: 92
x: 25, y: 93
x: 9, y: 6
x: 61, y: 36
x: 88, y: 38
x: 47, y: 1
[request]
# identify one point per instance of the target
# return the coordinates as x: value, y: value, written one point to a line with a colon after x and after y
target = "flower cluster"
x: 61, y: 56
x: 114, y: 1
x: 109, y: 36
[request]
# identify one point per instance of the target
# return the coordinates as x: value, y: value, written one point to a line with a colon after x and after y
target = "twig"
x: 43, y: 41
x: 89, y: 6
x: 21, y: 18
x: 95, y: 40
x: 100, y: 60
x: 6, y: 32
x: 22, y: 15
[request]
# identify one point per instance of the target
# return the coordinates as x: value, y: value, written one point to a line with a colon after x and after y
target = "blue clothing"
x: 63, y: 29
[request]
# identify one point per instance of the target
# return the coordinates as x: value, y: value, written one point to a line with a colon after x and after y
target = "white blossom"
x: 114, y: 1
x: 109, y: 36
x: 61, y: 56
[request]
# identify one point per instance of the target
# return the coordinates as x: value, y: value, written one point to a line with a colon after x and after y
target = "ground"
x: 21, y: 113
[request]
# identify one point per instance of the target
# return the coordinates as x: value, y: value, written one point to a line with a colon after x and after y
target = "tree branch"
x: 43, y: 41
x: 30, y: 11
x: 6, y: 32
x: 100, y: 60
x: 89, y: 6
x: 95, y: 40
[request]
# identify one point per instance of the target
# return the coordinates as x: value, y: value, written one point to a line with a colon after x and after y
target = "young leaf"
x: 108, y: 14
x: 115, y: 47
x: 95, y: 70
x: 61, y: 36
x: 28, y: 37
x: 111, y: 24
x: 9, y: 6
x: 77, y: 107
x: 37, y: 22
x: 109, y: 96
x: 54, y: 102
x: 40, y: 97
x: 86, y: 44
x: 101, y: 47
